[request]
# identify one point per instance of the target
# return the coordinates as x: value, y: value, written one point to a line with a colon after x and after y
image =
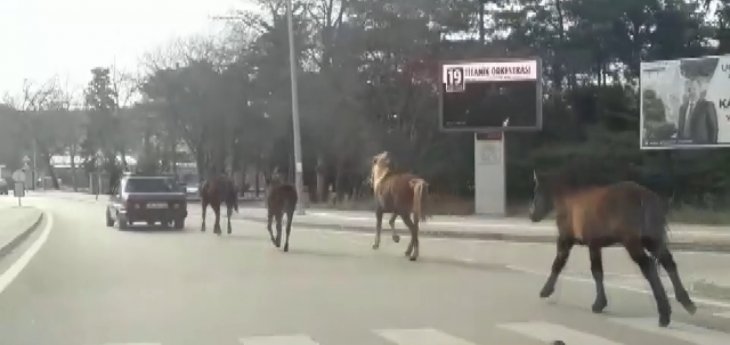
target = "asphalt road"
x: 89, y: 284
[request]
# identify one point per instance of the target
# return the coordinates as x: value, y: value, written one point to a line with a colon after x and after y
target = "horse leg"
x: 279, y: 215
x: 378, y: 226
x: 205, y: 206
x: 649, y: 270
x: 412, y: 250
x: 289, y: 217
x: 391, y: 222
x: 565, y: 244
x: 597, y: 270
x: 268, y: 226
x: 664, y: 256
x: 229, y: 210
x: 217, y: 226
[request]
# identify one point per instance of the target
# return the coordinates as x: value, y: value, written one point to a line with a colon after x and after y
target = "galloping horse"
x: 214, y: 192
x: 400, y: 194
x: 281, y: 198
x: 598, y: 216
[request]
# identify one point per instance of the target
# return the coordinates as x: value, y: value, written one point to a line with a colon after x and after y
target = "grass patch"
x: 696, y: 215
x: 459, y: 206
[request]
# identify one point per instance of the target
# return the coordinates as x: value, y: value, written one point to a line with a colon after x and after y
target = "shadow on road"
x: 155, y: 228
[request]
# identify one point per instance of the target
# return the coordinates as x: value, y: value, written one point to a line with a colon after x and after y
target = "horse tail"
x: 233, y: 197
x: 420, y: 191
x: 292, y: 200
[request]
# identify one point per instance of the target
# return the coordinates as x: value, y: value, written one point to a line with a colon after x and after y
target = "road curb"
x: 8, y: 247
x: 702, y: 246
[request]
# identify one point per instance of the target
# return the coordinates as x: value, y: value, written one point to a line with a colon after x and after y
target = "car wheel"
x: 122, y: 222
x: 179, y: 223
x: 109, y: 220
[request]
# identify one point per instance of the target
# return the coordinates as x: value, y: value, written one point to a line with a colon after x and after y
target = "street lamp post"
x: 295, y: 108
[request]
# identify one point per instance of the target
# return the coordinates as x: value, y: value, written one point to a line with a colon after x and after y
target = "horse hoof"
x: 690, y: 307
x: 598, y: 306
x: 376, y: 246
x: 396, y: 238
x: 286, y: 248
x: 412, y: 258
x: 546, y: 292
x: 664, y: 320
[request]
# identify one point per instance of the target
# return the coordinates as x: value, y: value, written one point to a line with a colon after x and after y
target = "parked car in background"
x: 149, y: 199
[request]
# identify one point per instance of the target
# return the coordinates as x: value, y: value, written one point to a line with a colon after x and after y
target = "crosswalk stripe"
x: 423, y: 336
x: 724, y: 314
x: 295, y: 339
x: 549, y: 332
x: 686, y: 332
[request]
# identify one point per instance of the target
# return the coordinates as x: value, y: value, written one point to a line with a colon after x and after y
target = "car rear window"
x: 148, y: 185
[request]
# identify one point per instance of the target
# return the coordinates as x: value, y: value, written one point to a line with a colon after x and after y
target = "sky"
x: 43, y: 39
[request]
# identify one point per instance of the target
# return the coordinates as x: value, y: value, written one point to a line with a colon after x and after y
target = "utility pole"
x: 295, y: 109
x: 299, y: 169
x: 33, y: 183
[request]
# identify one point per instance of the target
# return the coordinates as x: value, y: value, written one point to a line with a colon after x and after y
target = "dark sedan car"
x: 147, y: 199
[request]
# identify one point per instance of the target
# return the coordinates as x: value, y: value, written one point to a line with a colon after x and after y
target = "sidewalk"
x: 681, y: 236
x: 16, y: 223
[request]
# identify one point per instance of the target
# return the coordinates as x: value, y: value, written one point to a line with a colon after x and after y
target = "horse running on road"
x: 598, y: 216
x: 399, y: 193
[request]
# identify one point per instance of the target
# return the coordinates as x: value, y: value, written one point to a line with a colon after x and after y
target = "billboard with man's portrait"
x: 685, y: 103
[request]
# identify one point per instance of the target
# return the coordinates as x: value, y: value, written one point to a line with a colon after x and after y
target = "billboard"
x: 685, y: 103
x: 491, y: 95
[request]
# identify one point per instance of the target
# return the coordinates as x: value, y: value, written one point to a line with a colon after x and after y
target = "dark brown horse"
x: 399, y: 193
x: 214, y: 192
x: 281, y: 198
x: 602, y: 215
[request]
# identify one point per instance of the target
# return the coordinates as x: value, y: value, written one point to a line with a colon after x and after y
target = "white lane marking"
x: 723, y: 314
x: 686, y: 332
x: 295, y: 339
x: 424, y: 336
x: 697, y: 300
x: 132, y: 343
x: 549, y: 332
x: 9, y: 275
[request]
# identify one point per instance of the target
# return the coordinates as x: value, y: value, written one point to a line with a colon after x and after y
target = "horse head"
x: 541, y: 204
x: 382, y: 164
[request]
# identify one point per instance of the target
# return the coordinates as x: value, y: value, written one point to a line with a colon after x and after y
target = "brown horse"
x: 214, y: 192
x: 400, y: 194
x: 281, y: 198
x: 598, y: 216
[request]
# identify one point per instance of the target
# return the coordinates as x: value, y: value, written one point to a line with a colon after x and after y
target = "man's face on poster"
x: 695, y: 89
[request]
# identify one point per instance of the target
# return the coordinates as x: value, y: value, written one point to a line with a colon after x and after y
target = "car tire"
x: 122, y: 223
x: 109, y: 220
x: 179, y: 223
